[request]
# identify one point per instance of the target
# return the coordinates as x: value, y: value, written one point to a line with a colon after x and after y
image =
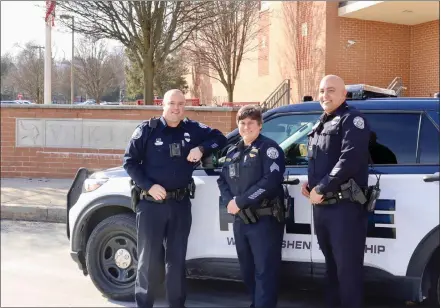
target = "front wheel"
x: 111, y: 257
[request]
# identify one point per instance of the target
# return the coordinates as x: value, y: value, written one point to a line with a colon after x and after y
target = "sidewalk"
x: 34, y: 199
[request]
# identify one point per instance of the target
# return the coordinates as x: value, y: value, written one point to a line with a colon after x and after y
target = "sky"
x: 23, y: 21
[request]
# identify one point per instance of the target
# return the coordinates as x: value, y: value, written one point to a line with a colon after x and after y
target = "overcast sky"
x: 23, y: 21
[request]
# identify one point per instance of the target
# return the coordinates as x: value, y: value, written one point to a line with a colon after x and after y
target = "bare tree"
x: 302, y: 60
x: 220, y: 47
x: 28, y: 72
x: 8, y: 88
x: 61, y: 80
x: 93, y: 67
x: 151, y: 30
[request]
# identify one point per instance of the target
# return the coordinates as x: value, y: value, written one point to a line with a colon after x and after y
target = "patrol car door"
x: 211, y: 235
x: 290, y: 131
x: 405, y: 150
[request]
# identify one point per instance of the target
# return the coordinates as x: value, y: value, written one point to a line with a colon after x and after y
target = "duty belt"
x: 333, y: 198
x: 274, y: 208
x: 177, y: 194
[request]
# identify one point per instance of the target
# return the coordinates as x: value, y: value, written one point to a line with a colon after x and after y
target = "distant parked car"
x: 26, y: 102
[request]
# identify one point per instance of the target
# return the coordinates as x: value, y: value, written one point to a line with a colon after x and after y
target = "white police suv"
x: 402, y: 249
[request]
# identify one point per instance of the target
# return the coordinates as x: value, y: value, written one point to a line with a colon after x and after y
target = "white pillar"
x: 48, y: 64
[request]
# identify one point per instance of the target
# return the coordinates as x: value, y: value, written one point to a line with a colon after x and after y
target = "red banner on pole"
x: 50, y: 11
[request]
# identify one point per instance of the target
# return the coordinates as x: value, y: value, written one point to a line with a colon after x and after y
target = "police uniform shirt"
x: 259, y: 174
x: 338, y: 149
x: 153, y: 149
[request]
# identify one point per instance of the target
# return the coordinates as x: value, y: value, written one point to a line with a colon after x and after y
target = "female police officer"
x: 251, y: 187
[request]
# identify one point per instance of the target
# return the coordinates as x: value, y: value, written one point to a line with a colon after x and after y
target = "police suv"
x: 402, y: 248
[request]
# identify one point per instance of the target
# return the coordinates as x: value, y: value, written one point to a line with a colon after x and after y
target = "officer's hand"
x: 194, y: 155
x: 157, y: 192
x: 305, y: 191
x: 315, y: 197
x: 232, y: 207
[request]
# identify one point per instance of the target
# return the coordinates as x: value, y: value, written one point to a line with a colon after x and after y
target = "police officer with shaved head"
x: 251, y: 189
x: 160, y: 158
x: 338, y: 151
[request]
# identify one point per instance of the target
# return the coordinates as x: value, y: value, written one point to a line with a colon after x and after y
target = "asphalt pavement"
x: 37, y: 271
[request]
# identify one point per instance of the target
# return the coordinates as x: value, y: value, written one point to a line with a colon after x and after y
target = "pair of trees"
x: 97, y: 71
x: 215, y: 34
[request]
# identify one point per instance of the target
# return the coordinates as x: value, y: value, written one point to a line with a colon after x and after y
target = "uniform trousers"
x: 162, y: 234
x: 341, y: 230
x: 259, y: 250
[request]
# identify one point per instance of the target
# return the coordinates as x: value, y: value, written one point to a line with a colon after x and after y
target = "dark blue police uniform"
x: 338, y: 150
x: 253, y: 175
x: 159, y: 156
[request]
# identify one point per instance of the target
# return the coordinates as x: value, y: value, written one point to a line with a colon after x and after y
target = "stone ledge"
x: 117, y: 107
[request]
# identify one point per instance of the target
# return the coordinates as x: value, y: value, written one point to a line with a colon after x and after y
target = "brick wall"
x: 384, y: 51
x: 381, y: 52
x: 424, y: 59
x: 64, y: 162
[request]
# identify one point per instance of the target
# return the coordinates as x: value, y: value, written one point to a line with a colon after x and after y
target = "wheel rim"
x: 118, y: 259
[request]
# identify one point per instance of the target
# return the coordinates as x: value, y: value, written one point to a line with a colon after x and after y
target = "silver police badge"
x: 359, y: 122
x: 272, y: 153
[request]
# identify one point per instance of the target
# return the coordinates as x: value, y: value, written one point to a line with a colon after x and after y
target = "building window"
x: 264, y: 5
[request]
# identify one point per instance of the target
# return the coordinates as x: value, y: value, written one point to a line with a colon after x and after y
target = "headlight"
x: 94, y: 182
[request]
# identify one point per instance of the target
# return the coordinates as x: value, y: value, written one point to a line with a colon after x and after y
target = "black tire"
x: 110, y: 235
x: 437, y: 291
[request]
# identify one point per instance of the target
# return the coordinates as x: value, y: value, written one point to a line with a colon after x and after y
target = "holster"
x: 273, y: 207
x: 373, y: 193
x: 135, y: 193
x: 349, y: 191
x: 192, y: 189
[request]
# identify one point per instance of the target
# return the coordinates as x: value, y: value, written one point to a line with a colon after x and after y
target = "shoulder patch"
x: 137, y: 133
x: 359, y: 122
x: 201, y: 125
x: 272, y: 153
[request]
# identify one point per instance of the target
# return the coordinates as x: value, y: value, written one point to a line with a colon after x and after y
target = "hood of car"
x: 116, y: 172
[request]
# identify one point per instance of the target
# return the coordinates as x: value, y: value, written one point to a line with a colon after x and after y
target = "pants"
x: 341, y: 232
x: 163, y: 231
x: 259, y: 250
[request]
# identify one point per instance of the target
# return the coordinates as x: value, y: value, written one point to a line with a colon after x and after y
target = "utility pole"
x: 72, y: 96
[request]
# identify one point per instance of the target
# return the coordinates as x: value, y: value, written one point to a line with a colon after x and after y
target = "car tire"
x: 437, y: 291
x: 111, y: 257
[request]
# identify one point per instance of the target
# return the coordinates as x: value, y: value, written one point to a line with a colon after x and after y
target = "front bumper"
x: 75, y: 190
x: 79, y: 259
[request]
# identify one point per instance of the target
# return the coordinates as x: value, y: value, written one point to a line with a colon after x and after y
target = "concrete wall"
x: 54, y: 141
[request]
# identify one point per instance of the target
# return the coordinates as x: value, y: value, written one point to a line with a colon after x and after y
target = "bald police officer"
x: 161, y: 162
x: 338, y: 152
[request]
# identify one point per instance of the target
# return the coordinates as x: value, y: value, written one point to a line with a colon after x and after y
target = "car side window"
x: 393, y: 137
x: 291, y: 133
x: 428, y: 146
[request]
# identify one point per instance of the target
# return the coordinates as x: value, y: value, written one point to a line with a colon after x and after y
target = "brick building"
x: 369, y: 42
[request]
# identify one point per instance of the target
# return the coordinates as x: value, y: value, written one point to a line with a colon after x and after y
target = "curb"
x: 38, y: 213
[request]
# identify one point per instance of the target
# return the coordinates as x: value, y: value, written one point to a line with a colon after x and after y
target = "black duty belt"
x: 333, y: 198
x: 177, y: 194
x: 270, y: 208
